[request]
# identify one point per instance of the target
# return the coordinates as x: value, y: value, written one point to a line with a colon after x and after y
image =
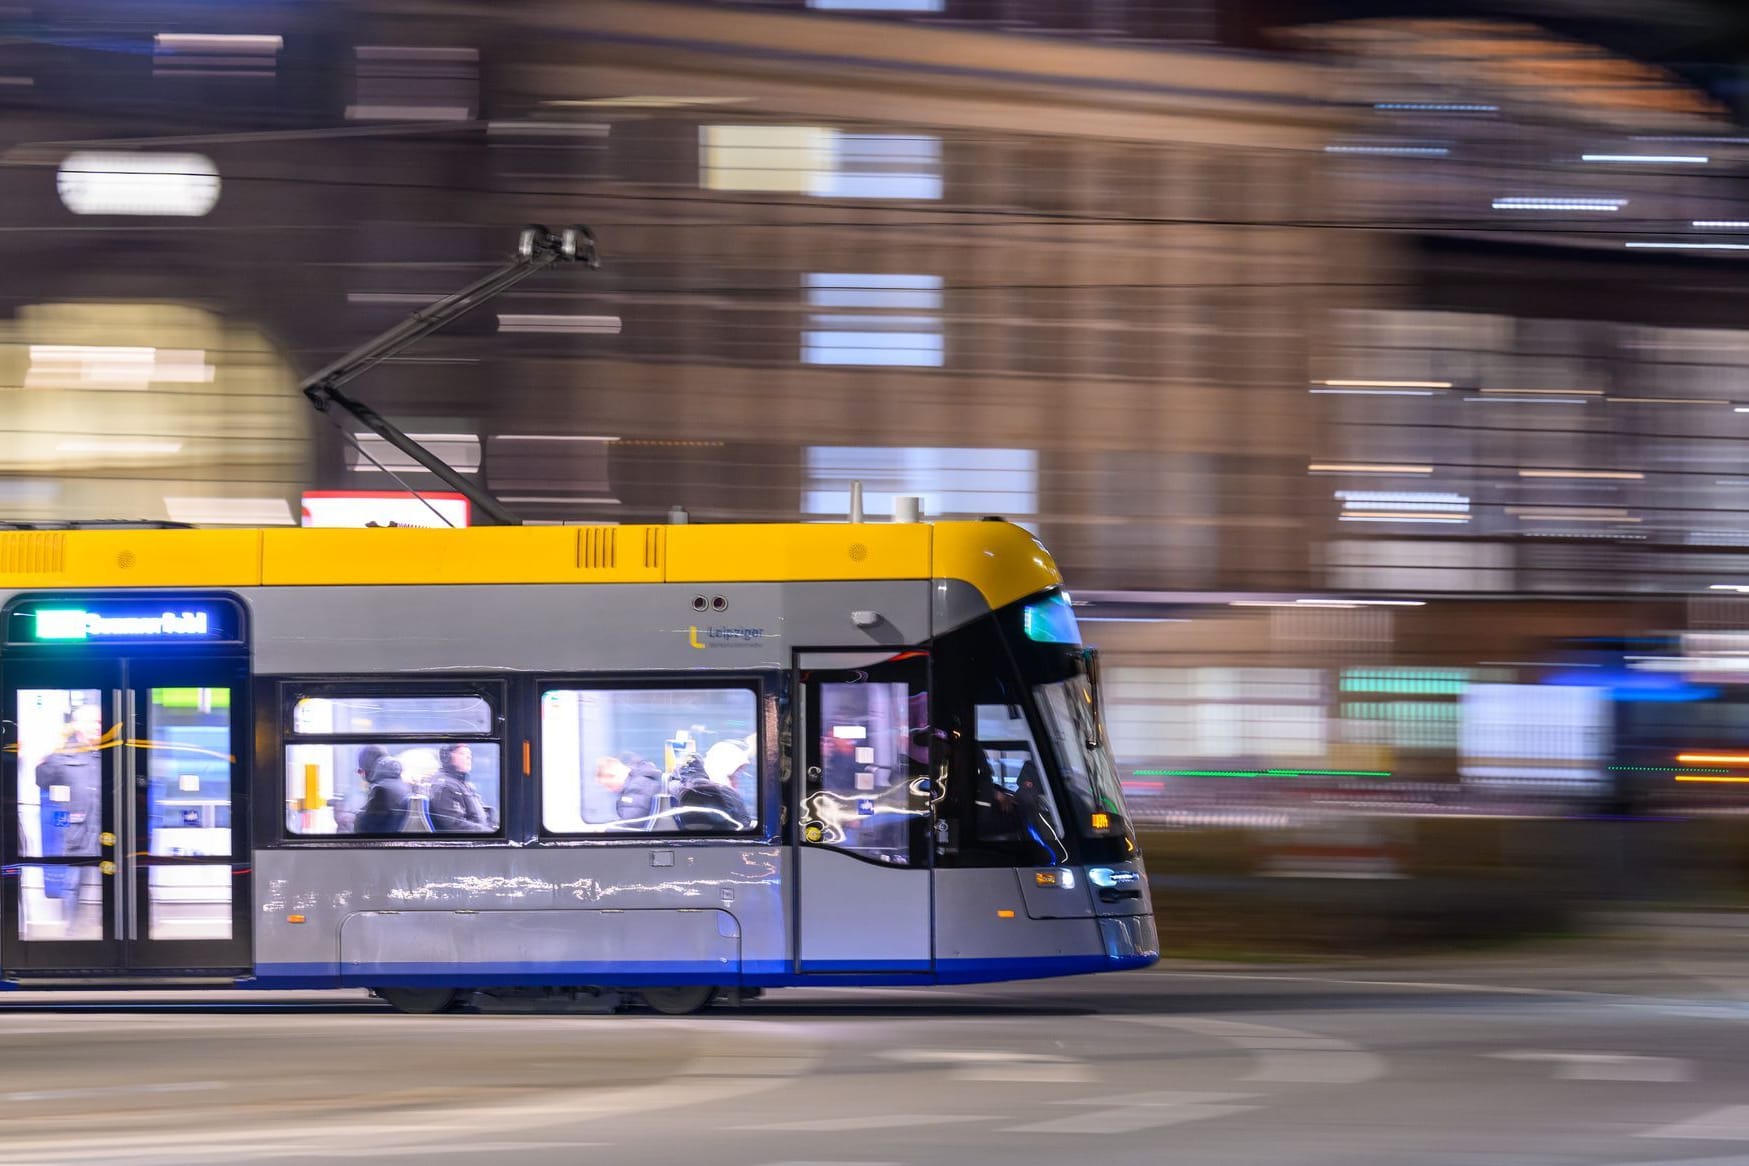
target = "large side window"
x: 392, y: 763
x: 622, y: 759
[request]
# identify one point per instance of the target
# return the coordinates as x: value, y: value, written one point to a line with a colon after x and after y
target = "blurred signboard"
x: 384, y: 508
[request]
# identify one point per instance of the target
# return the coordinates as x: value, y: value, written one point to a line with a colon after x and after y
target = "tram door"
x: 126, y: 853
x: 864, y: 898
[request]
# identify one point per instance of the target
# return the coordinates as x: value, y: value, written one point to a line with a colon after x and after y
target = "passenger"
x: 385, y: 810
x: 345, y: 815
x: 706, y: 804
x: 637, y: 790
x: 71, y: 780
x: 455, y: 802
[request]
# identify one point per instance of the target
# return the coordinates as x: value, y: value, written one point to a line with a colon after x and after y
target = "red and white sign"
x: 384, y: 508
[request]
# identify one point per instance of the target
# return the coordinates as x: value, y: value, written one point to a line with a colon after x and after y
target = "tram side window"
x: 649, y: 760
x: 387, y: 766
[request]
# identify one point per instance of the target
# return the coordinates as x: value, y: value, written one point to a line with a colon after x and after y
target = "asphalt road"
x: 1566, y: 1056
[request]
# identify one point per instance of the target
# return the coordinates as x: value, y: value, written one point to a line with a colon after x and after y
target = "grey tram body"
x: 533, y: 911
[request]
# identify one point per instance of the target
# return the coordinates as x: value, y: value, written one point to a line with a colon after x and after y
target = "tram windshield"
x: 1088, y: 774
x: 1046, y: 644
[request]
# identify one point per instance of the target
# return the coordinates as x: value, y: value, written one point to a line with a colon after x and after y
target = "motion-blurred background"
x: 1378, y: 372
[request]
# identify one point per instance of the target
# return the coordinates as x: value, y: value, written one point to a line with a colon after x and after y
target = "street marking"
x: 112, y: 1090
x: 1138, y: 1111
x: 1000, y: 1066
x: 1605, y: 1066
x: 1729, y: 1123
x: 1287, y: 1055
x: 874, y: 1121
x: 1064, y: 1073
x: 365, y: 1134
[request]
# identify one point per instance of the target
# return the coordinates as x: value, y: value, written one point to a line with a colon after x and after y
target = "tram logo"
x: 702, y: 638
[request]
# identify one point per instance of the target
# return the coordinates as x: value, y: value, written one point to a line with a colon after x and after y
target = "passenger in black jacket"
x: 637, y: 797
x: 456, y: 807
x: 385, y: 809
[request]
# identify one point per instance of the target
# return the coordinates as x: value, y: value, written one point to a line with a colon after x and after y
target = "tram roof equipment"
x: 536, y: 250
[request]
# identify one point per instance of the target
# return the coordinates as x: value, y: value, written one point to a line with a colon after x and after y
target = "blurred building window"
x: 953, y: 483
x: 874, y: 320
x: 1535, y: 736
x: 415, y: 83
x: 370, y: 454
x: 110, y: 411
x: 819, y: 161
x: 1240, y: 715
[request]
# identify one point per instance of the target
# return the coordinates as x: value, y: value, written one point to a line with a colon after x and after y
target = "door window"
x: 868, y: 790
x: 187, y: 811
x: 62, y: 736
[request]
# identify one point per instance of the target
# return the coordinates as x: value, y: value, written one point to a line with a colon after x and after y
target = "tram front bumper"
x: 1131, y: 941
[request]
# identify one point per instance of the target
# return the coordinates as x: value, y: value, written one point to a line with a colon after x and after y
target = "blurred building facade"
x: 1407, y: 310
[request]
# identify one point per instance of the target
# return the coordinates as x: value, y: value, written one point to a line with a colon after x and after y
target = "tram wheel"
x: 678, y: 999
x: 418, y: 1001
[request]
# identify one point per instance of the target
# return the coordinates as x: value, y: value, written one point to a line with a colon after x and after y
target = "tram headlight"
x: 1105, y: 876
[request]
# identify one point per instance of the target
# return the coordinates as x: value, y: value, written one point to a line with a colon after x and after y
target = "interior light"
x: 132, y: 182
x: 1682, y: 159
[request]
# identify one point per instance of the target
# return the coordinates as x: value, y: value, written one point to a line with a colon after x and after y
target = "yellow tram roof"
x: 1003, y: 561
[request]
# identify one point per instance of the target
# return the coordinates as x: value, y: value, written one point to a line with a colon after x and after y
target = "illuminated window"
x: 1250, y: 715
x: 876, y: 320
x: 459, y: 451
x: 386, y: 765
x: 953, y: 483
x: 649, y: 760
x: 820, y: 161
x: 113, y: 402
x: 883, y: 166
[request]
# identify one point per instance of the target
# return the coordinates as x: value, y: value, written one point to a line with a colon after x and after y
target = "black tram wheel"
x: 418, y: 1001
x: 678, y: 999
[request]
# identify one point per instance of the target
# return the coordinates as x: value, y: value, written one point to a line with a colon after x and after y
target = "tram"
x: 667, y: 763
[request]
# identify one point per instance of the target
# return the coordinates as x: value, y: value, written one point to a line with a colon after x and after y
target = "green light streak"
x: 1261, y: 773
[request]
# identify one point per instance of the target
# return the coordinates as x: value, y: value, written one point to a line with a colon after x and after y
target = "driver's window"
x: 1012, y: 802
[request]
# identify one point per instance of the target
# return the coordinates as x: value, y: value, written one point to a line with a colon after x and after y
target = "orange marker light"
x: 527, y: 758
x: 1045, y: 878
x: 294, y: 918
x: 1102, y: 821
x: 1004, y: 914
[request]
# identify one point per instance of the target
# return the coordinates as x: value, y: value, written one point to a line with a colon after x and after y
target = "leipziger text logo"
x: 702, y: 638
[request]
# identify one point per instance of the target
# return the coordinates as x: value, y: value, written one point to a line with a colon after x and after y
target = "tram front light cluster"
x: 1054, y: 878
x: 1106, y: 877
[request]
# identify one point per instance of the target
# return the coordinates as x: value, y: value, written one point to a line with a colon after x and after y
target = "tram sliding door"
x: 864, y: 899
x: 126, y: 853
